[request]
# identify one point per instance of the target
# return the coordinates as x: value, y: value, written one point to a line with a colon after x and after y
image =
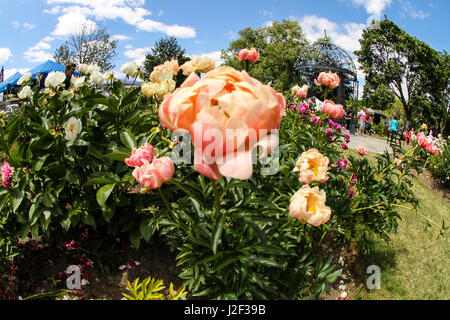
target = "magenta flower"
x: 314, y: 119
x: 347, y: 136
x: 328, y: 131
x: 330, y: 138
x: 7, y: 173
x: 352, y: 193
x: 344, y: 146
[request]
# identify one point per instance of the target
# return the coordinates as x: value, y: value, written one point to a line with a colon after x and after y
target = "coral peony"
x: 7, y: 173
x: 336, y: 111
x: 308, y: 204
x: 313, y: 166
x: 328, y: 79
x: 228, y: 113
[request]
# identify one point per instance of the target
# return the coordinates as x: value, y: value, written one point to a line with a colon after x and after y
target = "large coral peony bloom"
x: 228, y: 113
x: 308, y: 204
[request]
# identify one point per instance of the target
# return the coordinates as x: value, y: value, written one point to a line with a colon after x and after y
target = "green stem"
x: 420, y: 214
x: 393, y: 163
x: 216, y: 198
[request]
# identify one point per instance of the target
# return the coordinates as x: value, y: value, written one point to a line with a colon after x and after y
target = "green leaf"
x: 146, y: 229
x: 119, y: 156
x: 218, y: 229
x: 128, y: 139
x: 89, y: 219
x: 103, y: 193
x: 135, y: 237
x: 40, y: 162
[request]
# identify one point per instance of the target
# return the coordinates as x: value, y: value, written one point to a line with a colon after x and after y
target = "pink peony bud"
x: 251, y: 55
x: 137, y: 155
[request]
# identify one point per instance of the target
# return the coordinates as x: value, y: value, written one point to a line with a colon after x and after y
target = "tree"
x: 280, y: 45
x: 91, y: 45
x: 415, y: 73
x: 165, y: 49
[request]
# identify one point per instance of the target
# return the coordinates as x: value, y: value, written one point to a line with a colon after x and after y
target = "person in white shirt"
x: 362, y: 120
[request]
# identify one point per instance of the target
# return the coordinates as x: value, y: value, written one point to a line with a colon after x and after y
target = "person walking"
x: 362, y: 120
x: 70, y: 69
x: 393, y: 128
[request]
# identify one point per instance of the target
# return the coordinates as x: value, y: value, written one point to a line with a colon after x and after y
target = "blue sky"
x: 31, y: 30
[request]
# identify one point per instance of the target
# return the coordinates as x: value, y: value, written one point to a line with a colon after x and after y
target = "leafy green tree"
x: 415, y: 73
x: 90, y: 46
x: 165, y: 49
x: 280, y: 45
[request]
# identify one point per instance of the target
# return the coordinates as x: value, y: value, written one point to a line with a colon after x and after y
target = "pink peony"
x: 328, y: 79
x: 7, y: 173
x: 362, y: 151
x: 308, y: 204
x: 422, y: 140
x: 153, y: 175
x: 137, y: 155
x: 336, y: 111
x: 251, y: 55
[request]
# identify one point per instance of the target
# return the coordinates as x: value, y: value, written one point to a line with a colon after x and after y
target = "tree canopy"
x: 90, y: 46
x: 165, y: 49
x: 408, y: 68
x: 280, y: 45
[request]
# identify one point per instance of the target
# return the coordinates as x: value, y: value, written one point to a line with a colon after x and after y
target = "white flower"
x: 78, y: 81
x: 25, y: 93
x: 96, y: 77
x: 83, y: 68
x: 129, y: 68
x: 92, y: 68
x: 54, y: 79
x: 73, y: 128
x: 344, y: 294
x: 24, y: 78
x: 159, y: 88
x: 109, y: 75
x: 161, y: 75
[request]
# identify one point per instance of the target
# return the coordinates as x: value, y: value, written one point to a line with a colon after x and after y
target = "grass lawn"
x: 415, y: 264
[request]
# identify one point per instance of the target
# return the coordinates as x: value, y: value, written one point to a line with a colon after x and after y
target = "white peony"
x: 24, y: 78
x: 25, y: 93
x: 54, y: 79
x: 93, y: 68
x: 73, y: 128
x: 129, y: 68
x: 83, y: 68
x: 161, y: 75
x: 96, y: 77
x: 78, y: 81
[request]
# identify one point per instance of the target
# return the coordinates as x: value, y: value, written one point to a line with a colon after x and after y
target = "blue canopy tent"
x: 48, y: 67
x: 9, y: 83
x: 45, y: 68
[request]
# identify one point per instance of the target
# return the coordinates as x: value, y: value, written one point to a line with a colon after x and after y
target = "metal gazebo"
x: 327, y: 56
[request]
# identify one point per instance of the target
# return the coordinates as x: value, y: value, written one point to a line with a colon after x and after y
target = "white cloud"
x: 411, y: 11
x: 5, y: 54
x: 26, y: 26
x: 374, y: 8
x: 38, y: 53
x: 71, y: 23
x: 120, y: 37
x: 53, y: 10
x: 137, y: 54
x: 37, y: 56
x: 130, y: 11
x: 10, y: 72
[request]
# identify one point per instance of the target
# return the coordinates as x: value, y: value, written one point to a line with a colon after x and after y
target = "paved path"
x: 371, y: 144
